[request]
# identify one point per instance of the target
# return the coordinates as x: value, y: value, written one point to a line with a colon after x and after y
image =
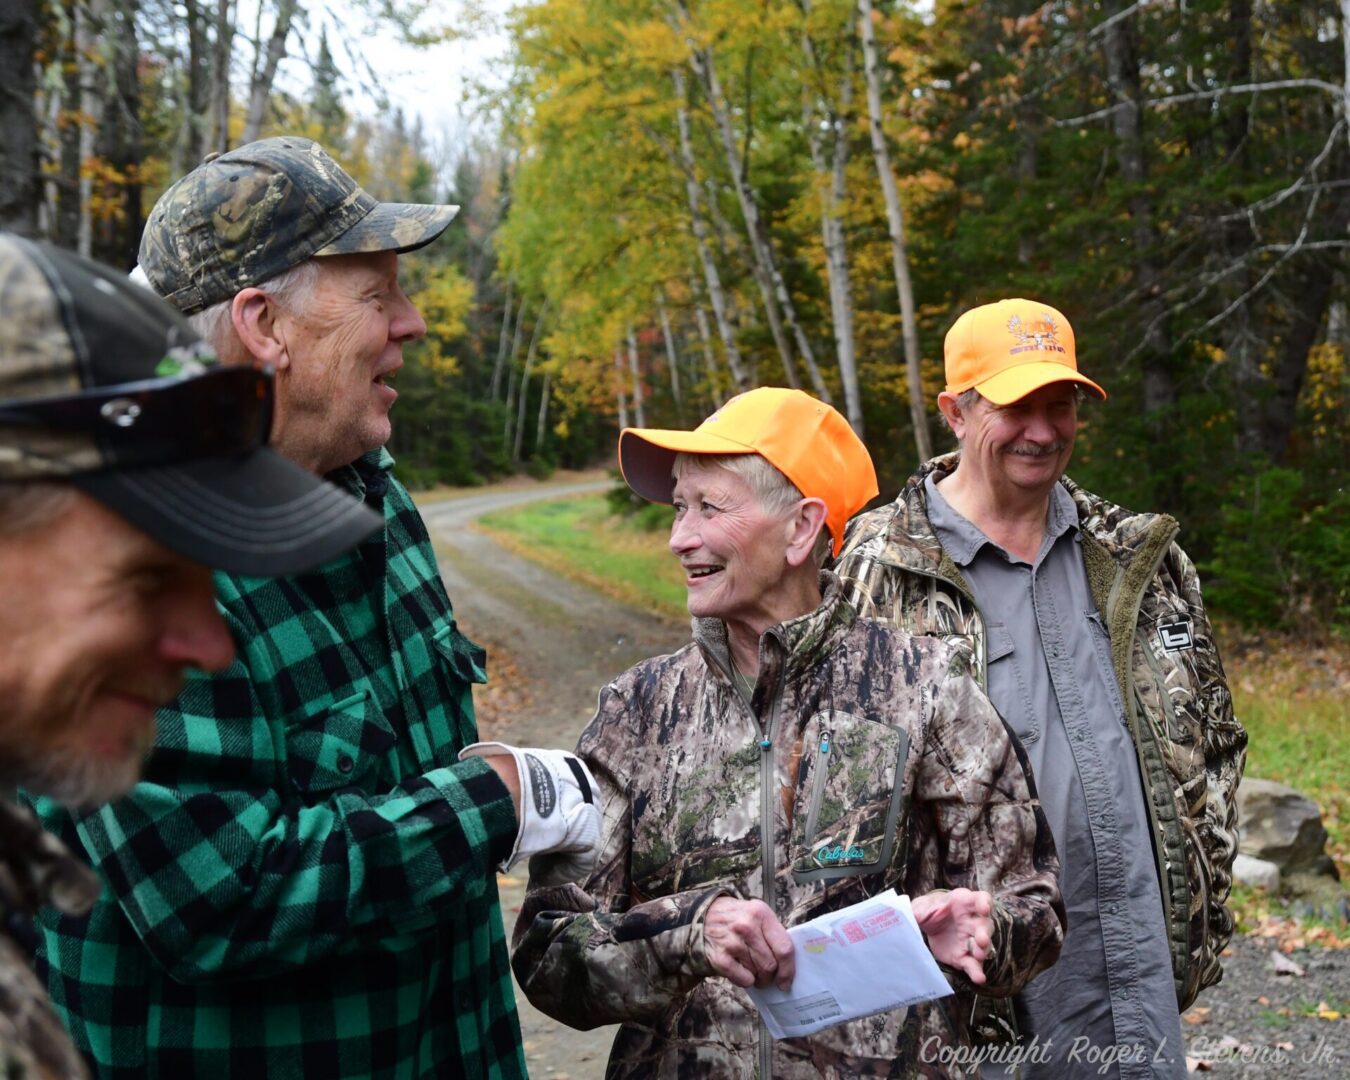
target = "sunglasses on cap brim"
x: 223, y: 412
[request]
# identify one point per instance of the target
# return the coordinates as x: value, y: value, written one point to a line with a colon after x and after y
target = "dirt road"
x: 570, y: 641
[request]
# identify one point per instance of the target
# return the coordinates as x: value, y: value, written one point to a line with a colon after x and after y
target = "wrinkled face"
x: 1022, y: 448
x: 342, y: 350
x: 99, y: 622
x: 732, y: 550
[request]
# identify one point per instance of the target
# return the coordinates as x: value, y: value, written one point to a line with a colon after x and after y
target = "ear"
x: 254, y: 316
x: 803, y: 527
x: 950, y: 407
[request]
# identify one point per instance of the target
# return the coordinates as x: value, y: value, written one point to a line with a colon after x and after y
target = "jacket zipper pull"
x: 825, y: 742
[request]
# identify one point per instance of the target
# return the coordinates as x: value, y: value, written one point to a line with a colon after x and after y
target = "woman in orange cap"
x: 789, y: 761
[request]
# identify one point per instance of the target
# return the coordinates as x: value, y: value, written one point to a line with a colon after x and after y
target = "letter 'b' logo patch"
x: 541, y: 786
x: 1174, y: 634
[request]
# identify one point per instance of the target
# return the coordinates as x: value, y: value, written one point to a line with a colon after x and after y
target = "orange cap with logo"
x: 806, y: 440
x: 1009, y: 349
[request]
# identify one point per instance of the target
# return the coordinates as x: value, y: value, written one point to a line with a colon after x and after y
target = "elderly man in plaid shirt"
x: 303, y: 884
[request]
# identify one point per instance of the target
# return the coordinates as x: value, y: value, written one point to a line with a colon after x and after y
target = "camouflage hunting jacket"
x: 35, y: 870
x: 1191, y: 748
x: 866, y: 759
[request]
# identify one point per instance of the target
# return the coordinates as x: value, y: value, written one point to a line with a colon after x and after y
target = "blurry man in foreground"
x: 129, y: 463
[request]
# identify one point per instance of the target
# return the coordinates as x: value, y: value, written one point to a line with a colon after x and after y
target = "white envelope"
x: 860, y: 960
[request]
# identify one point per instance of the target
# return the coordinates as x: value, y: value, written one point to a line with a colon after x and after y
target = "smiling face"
x: 732, y: 550
x: 342, y: 349
x: 98, y: 624
x: 1019, y: 451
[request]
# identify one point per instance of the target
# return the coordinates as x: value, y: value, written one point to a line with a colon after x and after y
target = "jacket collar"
x: 794, y: 645
x: 910, y: 542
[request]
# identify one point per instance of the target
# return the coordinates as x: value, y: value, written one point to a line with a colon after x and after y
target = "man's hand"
x: 958, y: 928
x: 747, y: 943
x: 557, y: 803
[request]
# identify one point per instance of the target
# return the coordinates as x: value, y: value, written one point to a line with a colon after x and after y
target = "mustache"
x: 1038, y: 449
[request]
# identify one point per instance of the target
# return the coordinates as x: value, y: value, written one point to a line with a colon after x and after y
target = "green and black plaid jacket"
x: 304, y: 885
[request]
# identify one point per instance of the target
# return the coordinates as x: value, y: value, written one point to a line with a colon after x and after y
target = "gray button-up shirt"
x: 1110, y: 1000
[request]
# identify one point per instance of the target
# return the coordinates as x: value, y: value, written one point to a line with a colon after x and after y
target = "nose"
x: 193, y: 634
x: 407, y: 323
x: 684, y: 536
x: 1039, y: 428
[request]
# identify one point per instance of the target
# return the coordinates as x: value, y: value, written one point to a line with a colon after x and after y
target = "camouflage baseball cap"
x: 243, y: 217
x: 106, y: 387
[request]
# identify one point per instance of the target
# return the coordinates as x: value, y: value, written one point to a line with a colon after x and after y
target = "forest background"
x: 665, y: 201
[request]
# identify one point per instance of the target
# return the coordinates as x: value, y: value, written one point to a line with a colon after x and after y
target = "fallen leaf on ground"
x: 1198, y: 1015
x: 1284, y: 966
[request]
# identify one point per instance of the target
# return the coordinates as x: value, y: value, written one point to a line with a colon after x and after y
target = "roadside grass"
x: 1292, y: 698
x: 580, y: 539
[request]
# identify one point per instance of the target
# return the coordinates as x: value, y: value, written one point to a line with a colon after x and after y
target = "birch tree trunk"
x: 218, y: 130
x: 761, y: 263
x: 671, y: 358
x: 830, y: 183
x: 19, y: 189
x: 904, y: 286
x: 525, y: 381
x: 620, y: 382
x: 88, y: 28
x: 542, y: 425
x: 502, y: 341
x: 715, y: 397
x: 195, y: 92
x: 515, y: 346
x: 638, y: 414
x: 260, y: 88
x: 711, y: 277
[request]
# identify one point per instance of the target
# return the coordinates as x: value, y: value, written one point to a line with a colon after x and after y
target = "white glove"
x: 559, y: 807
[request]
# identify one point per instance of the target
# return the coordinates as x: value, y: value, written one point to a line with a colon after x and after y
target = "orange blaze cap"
x: 1009, y: 349
x: 806, y: 440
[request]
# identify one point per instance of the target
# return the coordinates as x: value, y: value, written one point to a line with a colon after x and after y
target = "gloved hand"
x: 560, y: 807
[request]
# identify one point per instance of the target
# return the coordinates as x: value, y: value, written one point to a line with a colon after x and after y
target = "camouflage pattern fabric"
x: 1191, y: 748
x: 35, y: 870
x: 243, y: 217
x: 867, y: 759
x: 39, y: 361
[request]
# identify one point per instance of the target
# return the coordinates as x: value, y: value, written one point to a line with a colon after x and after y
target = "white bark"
x: 923, y: 442
x: 762, y: 261
x: 831, y: 186
x: 542, y: 425
x: 711, y: 277
x: 671, y: 359
x: 525, y: 382
x: 87, y: 16
x: 265, y: 73
x: 638, y: 414
x: 709, y: 356
x: 620, y: 381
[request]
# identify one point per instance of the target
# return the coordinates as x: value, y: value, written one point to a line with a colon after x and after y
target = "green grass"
x: 580, y: 539
x: 1293, y: 701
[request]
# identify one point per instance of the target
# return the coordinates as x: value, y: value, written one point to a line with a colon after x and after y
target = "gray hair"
x: 774, y: 492
x: 292, y: 289
x: 27, y: 504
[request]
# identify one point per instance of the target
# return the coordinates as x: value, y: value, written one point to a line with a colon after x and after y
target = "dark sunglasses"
x: 223, y: 412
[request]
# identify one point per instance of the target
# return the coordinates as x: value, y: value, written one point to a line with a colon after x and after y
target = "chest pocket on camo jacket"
x: 850, y: 795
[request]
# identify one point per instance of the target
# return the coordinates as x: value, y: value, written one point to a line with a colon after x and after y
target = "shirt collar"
x: 962, y: 540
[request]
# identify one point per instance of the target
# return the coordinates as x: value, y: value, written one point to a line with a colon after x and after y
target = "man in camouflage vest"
x: 1085, y: 623
x: 304, y: 884
x: 122, y: 445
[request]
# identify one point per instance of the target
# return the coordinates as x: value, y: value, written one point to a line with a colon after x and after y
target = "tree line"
x: 683, y: 198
